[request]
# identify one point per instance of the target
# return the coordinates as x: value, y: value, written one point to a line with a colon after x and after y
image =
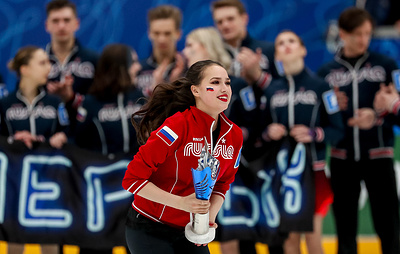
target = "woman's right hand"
x: 193, y: 205
x: 58, y: 140
x: 276, y: 131
x: 26, y: 137
x: 364, y: 119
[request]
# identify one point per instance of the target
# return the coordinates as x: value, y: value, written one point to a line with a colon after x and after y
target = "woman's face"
x: 135, y: 67
x: 194, y: 51
x: 288, y: 47
x: 38, y: 68
x: 214, y: 92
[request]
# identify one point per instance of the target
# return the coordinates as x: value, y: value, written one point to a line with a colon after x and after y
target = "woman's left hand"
x: 301, y: 133
x: 213, y: 225
x: 385, y: 98
x: 193, y: 205
x: 58, y: 140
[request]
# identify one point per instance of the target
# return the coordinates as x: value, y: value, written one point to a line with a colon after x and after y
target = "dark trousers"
x: 83, y: 250
x: 145, y: 236
x: 249, y: 247
x: 379, y: 178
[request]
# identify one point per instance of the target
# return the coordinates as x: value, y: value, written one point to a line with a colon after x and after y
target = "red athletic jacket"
x: 169, y: 154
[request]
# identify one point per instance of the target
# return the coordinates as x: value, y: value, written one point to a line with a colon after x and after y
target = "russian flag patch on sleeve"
x: 81, y: 114
x: 167, y: 135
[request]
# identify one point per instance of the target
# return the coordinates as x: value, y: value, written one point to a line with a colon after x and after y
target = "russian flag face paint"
x: 210, y: 89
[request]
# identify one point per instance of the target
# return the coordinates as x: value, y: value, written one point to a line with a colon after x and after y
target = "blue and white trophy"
x: 198, y: 230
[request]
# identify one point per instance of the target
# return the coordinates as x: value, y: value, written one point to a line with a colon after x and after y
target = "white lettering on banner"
x: 293, y: 193
x: 3, y: 184
x: 268, y: 204
x: 240, y: 220
x: 95, y: 196
x: 32, y: 192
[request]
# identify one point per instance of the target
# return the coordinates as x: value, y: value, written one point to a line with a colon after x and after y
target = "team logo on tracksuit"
x: 194, y: 148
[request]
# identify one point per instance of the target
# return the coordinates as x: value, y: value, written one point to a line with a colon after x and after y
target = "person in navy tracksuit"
x: 29, y: 114
x: 253, y: 61
x: 80, y: 64
x: 303, y: 106
x: 3, y: 88
x: 103, y: 119
x: 165, y: 63
x: 72, y: 65
x: 366, y: 152
x: 70, y: 61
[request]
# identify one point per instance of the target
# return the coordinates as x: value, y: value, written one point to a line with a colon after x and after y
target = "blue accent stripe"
x: 237, y: 163
x: 167, y: 135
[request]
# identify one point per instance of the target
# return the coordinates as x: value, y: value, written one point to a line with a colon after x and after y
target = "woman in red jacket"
x: 174, y: 125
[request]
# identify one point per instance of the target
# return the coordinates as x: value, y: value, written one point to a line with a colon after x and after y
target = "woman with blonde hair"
x: 206, y: 43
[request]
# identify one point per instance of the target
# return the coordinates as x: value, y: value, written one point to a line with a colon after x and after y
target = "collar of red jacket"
x: 203, y: 118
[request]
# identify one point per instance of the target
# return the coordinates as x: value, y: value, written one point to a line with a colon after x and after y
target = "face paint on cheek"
x: 210, y: 89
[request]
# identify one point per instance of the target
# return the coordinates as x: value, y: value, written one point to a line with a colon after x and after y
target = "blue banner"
x: 74, y: 196
x: 270, y: 197
x: 69, y: 196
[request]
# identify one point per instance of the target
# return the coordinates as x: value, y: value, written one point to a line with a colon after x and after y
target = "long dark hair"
x: 112, y: 71
x: 168, y: 99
